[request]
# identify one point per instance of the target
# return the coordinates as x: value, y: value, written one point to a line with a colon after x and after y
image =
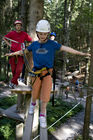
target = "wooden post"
x: 19, y: 131
x: 20, y: 103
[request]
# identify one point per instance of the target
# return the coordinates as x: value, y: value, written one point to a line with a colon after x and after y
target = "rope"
x: 36, y: 137
x: 64, y: 115
x: 12, y: 40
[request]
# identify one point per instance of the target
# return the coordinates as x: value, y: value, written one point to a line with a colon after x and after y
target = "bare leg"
x: 33, y: 100
x: 43, y: 107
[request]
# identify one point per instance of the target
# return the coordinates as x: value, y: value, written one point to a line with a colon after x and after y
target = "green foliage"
x: 7, y: 126
x: 8, y: 102
x: 7, y: 129
x: 80, y: 138
x: 78, y: 16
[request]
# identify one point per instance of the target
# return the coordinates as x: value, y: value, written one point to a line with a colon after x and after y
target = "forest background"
x: 71, y: 20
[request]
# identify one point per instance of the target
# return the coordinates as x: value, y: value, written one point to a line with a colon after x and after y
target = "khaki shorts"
x: 42, y: 88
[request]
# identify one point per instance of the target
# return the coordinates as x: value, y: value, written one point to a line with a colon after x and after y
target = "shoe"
x: 43, y: 123
x: 22, y: 80
x: 12, y: 86
x: 31, y: 109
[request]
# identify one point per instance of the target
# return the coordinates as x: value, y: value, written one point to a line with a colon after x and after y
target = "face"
x: 42, y: 36
x: 52, y: 37
x: 18, y: 27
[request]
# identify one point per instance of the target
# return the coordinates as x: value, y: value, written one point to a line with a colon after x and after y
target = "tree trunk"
x: 89, y: 99
x: 35, y: 13
x: 22, y: 12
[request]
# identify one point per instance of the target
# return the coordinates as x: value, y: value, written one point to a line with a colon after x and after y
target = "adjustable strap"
x: 41, y: 77
x: 48, y: 73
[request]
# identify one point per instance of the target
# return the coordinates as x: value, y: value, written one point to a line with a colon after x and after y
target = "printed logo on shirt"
x: 41, y: 51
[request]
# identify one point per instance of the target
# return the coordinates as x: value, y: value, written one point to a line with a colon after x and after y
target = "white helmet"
x: 43, y: 26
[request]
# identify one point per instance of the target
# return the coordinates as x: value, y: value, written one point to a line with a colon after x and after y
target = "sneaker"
x: 22, y: 80
x: 31, y: 109
x: 12, y: 86
x: 43, y: 123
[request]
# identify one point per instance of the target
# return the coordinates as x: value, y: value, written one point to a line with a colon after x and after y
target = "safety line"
x: 59, y: 119
x: 63, y: 115
x: 36, y: 137
x: 12, y: 40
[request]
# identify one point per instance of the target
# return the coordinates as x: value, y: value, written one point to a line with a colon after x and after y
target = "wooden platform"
x: 24, y: 89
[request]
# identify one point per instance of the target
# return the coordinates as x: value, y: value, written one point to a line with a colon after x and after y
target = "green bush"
x: 7, y: 129
x: 7, y: 126
x: 8, y: 102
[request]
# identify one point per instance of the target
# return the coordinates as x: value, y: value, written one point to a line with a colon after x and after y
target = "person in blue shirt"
x: 77, y: 85
x: 43, y: 52
x: 52, y: 36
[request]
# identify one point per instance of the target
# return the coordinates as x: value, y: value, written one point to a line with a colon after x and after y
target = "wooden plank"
x: 31, y: 124
x: 12, y: 108
x: 26, y: 91
x: 11, y: 113
x: 43, y: 134
x: 28, y: 128
x: 22, y: 90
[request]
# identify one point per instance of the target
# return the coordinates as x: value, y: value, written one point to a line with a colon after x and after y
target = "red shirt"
x: 19, y: 37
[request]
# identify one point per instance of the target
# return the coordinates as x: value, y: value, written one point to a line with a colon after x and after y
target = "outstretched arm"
x: 16, y: 53
x: 73, y: 51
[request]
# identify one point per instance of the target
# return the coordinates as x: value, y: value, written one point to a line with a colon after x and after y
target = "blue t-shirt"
x: 43, y: 53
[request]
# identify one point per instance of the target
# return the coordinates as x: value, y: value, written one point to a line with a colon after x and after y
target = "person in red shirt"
x: 16, y: 62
